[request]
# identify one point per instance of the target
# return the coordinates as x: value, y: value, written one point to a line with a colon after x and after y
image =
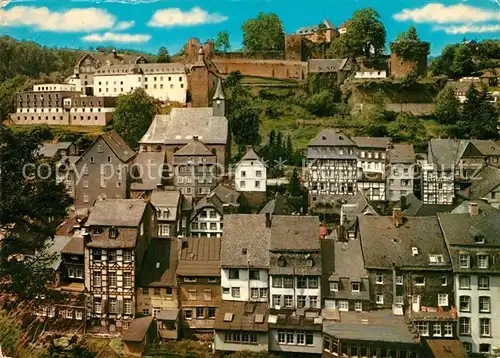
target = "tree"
x: 133, y: 115
x: 479, y: 116
x: 294, y: 188
x: 338, y: 48
x: 163, y: 56
x: 447, y: 107
x: 442, y: 65
x: 289, y: 148
x: 265, y: 33
x: 321, y: 34
x: 365, y: 33
x: 462, y: 64
x: 409, y: 47
x: 32, y: 205
x: 222, y: 41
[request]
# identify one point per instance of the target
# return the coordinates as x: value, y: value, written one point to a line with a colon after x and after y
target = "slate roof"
x: 159, y: 264
x: 200, y: 257
x: 117, y: 212
x: 166, y: 198
x: 328, y: 263
x: 384, y: 244
x: 457, y: 228
x: 118, y: 146
x: 113, y: 59
x: 55, y: 246
x: 332, y: 138
x: 150, y: 177
x: 227, y: 195
x: 245, y: 232
x: 447, y: 152
x: 50, y: 149
x: 280, y: 205
x: 182, y: 124
x: 486, y: 147
x: 249, y: 155
x: 349, y: 260
x: 75, y: 246
x: 356, y: 205
x: 243, y: 316
x: 483, y: 183
x: 483, y: 207
x: 446, y: 348
x: 374, y: 326
x: 415, y: 207
x: 401, y: 154
x: 167, y: 315
x: 217, y: 199
x: 307, y: 30
x: 294, y: 233
x: 137, y: 330
x: 328, y: 65
x: 194, y: 147
x: 310, y: 320
x: 372, y: 142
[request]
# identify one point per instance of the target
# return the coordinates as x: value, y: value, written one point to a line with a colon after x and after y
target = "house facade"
x: 168, y: 205
x: 119, y: 234
x: 401, y: 171
x: 250, y: 177
x: 102, y: 170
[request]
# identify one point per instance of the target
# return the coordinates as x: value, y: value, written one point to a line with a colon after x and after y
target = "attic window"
x: 281, y: 261
x: 309, y: 261
x: 228, y: 317
x: 158, y: 265
x: 244, y: 251
x: 323, y: 138
x: 479, y: 239
x: 436, y: 259
x: 113, y: 233
x: 414, y: 251
x: 340, y: 137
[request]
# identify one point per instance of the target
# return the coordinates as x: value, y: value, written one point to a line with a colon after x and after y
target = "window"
x: 278, y: 281
x: 156, y: 291
x: 482, y: 261
x: 192, y: 295
x: 343, y: 305
x: 127, y: 255
x: 358, y: 306
x: 483, y: 283
x: 234, y: 274
x: 399, y: 280
x: 235, y: 292
x: 464, y: 325
x: 379, y: 279
x: 436, y: 330
x: 200, y: 312
x: 423, y: 328
x: 188, y: 314
x: 127, y: 279
x: 399, y: 300
x: 436, y: 259
x: 288, y: 301
x: 242, y: 184
x: 276, y: 300
x: 145, y: 291
x: 419, y: 281
x: 301, y: 338
x: 355, y: 286
x: 79, y: 315
x: 464, y: 282
x: 281, y: 337
x: 212, y: 279
x: 112, y: 279
x: 254, y: 292
x: 145, y: 311
x: 97, y: 278
x: 211, y: 312
x: 484, y: 304
x: 290, y: 338
x: 444, y: 281
x: 92, y: 159
x: 464, y: 303
x: 448, y: 329
x: 168, y: 291
x: 263, y: 292
x: 254, y: 275
x: 485, y: 328
x: 301, y: 301
x: 464, y: 261
x: 301, y: 282
x: 189, y: 279
x: 443, y: 300
x: 226, y: 290
x: 484, y: 348
x: 334, y: 286
x: 379, y: 298
x: 313, y: 301
x: 111, y: 255
x: 467, y: 346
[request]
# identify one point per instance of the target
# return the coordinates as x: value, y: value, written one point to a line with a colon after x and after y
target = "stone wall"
x: 417, y: 109
x: 264, y: 68
x: 402, y: 68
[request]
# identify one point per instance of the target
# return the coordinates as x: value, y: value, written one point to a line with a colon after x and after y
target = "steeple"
x: 219, y: 101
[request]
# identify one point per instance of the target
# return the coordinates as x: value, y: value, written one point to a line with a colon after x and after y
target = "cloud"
x: 124, y: 25
x: 41, y: 18
x: 468, y: 29
x: 172, y: 17
x: 114, y: 37
x: 133, y: 2
x: 442, y: 14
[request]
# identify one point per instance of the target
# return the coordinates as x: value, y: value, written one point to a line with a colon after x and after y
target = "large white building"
x: 473, y: 242
x: 250, y: 173
x: 163, y: 81
x: 400, y: 171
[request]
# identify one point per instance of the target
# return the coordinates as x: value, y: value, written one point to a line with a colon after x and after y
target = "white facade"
x: 236, y: 284
x: 207, y: 223
x: 371, y: 74
x: 306, y: 342
x: 400, y: 181
x: 283, y: 295
x: 371, y: 161
x: 251, y: 175
x: 50, y: 87
x: 438, y: 187
x: 478, y: 312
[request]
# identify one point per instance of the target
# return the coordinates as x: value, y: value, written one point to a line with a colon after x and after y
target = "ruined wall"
x: 402, y: 68
x: 262, y: 68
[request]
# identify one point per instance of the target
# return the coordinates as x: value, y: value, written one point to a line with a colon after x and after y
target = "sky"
x: 146, y: 25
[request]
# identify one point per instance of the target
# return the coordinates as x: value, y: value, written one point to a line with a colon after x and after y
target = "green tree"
x: 409, y: 47
x: 222, y: 41
x: 289, y: 148
x: 133, y: 115
x: 294, y: 187
x: 365, y: 33
x: 442, y: 65
x: 265, y: 33
x: 321, y: 34
x: 32, y: 205
x: 338, y: 48
x: 447, y: 107
x: 462, y: 64
x: 163, y: 56
x: 479, y: 116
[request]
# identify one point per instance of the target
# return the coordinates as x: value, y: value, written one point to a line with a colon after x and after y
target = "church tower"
x: 219, y: 101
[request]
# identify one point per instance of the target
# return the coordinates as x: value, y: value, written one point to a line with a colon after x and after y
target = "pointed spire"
x: 219, y: 93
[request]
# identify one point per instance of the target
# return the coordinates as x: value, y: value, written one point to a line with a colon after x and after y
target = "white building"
x: 473, y: 243
x: 400, y: 171
x: 54, y: 87
x: 163, y: 81
x: 250, y: 173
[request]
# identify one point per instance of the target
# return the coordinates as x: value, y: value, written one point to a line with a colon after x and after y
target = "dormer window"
x: 334, y: 286
x: 355, y: 286
x: 113, y: 233
x: 464, y: 261
x: 414, y: 251
x: 479, y: 239
x: 482, y: 261
x: 309, y: 261
x: 281, y: 261
x: 436, y: 259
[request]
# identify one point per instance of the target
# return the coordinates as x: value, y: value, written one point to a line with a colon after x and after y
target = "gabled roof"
x: 448, y: 152
x: 331, y: 138
x: 457, y: 228
x: 75, y: 246
x: 51, y: 149
x: 138, y: 329
x: 487, y: 180
x: 54, y: 247
x: 116, y: 144
x: 486, y: 147
x: 182, y: 124
x: 356, y: 205
x: 117, y: 212
x: 117, y: 59
x: 295, y: 233
x: 329, y: 65
x: 200, y: 257
x: 165, y: 198
x: 159, y: 264
x: 372, y: 142
x: 216, y: 199
x: 280, y: 205
x: 238, y: 316
x: 415, y: 207
x: 307, y: 30
x: 194, y: 147
x: 446, y: 348
x: 250, y: 155
x: 401, y: 154
x: 349, y: 262
x: 483, y: 207
x: 384, y: 244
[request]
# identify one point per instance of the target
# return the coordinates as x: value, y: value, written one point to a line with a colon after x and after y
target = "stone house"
x: 157, y: 285
x: 119, y: 233
x: 473, y: 244
x: 168, y: 205
x: 102, y: 171
x: 311, y: 32
x: 198, y: 276
x: 401, y: 171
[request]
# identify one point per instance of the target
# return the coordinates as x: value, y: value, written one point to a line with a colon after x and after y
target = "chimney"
x: 403, y: 203
x: 473, y: 209
x: 397, y: 217
x: 268, y: 220
x: 322, y: 231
